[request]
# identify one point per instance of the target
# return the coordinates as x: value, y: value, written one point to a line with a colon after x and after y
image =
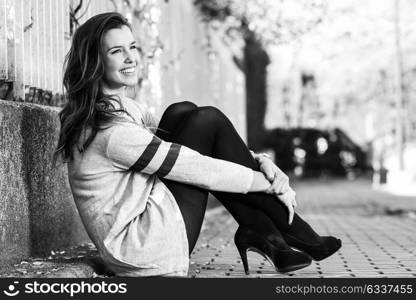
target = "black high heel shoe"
x: 319, y: 251
x: 281, y: 256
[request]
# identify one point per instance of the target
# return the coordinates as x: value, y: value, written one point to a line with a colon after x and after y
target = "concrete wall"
x: 37, y: 212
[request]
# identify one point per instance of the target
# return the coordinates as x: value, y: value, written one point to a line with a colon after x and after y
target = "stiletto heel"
x: 319, y: 251
x: 243, y: 255
x: 280, y: 256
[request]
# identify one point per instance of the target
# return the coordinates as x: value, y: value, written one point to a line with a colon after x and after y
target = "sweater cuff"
x: 249, y: 181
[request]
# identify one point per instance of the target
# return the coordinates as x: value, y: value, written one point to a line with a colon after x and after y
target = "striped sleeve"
x: 132, y: 147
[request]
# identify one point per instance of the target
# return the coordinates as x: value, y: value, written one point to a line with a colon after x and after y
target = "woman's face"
x: 121, y: 59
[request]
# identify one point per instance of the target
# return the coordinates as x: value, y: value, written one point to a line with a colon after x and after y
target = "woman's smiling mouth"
x: 128, y: 71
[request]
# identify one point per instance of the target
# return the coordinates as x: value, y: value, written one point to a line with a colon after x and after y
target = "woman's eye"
x: 133, y: 47
x: 116, y: 51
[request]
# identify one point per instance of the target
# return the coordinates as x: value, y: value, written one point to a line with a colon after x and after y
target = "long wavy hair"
x: 87, y: 106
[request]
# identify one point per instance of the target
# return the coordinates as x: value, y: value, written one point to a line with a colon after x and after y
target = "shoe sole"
x: 294, y: 268
x: 281, y: 270
x: 320, y: 258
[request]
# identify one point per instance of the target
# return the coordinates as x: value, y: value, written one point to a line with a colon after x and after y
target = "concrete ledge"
x: 37, y: 212
x: 52, y: 270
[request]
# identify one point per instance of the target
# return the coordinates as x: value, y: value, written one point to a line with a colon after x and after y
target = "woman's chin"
x: 123, y: 83
x: 128, y: 83
x: 132, y: 81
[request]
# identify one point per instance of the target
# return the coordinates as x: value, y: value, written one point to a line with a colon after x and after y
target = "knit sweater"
x: 128, y: 212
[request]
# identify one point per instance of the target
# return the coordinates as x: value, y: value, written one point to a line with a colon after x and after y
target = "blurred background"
x: 328, y: 85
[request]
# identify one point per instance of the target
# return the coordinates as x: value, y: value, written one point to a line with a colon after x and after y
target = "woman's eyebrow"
x: 134, y: 42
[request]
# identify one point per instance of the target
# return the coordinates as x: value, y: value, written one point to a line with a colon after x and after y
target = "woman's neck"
x: 121, y: 92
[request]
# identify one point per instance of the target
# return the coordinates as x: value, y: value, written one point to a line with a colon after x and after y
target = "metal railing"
x: 34, y: 39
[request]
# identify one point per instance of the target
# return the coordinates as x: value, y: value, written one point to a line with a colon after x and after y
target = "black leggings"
x: 208, y: 131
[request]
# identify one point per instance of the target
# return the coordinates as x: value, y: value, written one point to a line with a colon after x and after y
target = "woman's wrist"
x: 259, y: 183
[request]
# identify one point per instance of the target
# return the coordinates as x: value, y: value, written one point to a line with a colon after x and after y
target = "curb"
x: 71, y: 271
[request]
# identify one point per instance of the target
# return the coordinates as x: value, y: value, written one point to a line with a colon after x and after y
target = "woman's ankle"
x: 302, y: 231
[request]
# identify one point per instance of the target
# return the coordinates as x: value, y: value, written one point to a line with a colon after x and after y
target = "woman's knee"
x: 180, y: 107
x: 208, y: 115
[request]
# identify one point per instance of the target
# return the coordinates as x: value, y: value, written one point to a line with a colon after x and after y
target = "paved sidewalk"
x: 377, y: 231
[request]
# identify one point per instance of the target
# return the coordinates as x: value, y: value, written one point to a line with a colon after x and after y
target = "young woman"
x: 141, y: 186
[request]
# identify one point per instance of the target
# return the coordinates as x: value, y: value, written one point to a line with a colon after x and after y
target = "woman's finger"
x: 279, y: 185
x: 274, y: 184
x: 269, y: 174
x: 291, y: 213
x: 266, y: 167
x: 285, y: 186
x: 287, y: 200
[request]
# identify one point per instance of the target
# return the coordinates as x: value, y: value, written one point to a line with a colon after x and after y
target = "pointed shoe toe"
x: 319, y: 251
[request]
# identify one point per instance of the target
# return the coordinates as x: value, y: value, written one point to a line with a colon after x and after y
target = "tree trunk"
x: 256, y: 61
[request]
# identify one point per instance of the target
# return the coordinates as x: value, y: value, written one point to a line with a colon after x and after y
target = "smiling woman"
x: 142, y: 194
x: 121, y: 59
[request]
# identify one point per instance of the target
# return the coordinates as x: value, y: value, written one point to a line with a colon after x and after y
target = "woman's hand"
x: 278, y: 179
x: 279, y: 185
x: 289, y: 199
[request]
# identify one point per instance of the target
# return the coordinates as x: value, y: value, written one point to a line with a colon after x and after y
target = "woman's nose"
x: 129, y: 57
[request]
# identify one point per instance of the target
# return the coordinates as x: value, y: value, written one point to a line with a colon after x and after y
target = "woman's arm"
x: 132, y: 147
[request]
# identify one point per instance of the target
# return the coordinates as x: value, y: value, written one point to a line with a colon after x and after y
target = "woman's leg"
x: 208, y: 130
x: 192, y: 200
x: 192, y: 211
x: 174, y: 115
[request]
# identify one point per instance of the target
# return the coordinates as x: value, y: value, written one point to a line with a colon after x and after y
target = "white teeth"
x: 128, y: 70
